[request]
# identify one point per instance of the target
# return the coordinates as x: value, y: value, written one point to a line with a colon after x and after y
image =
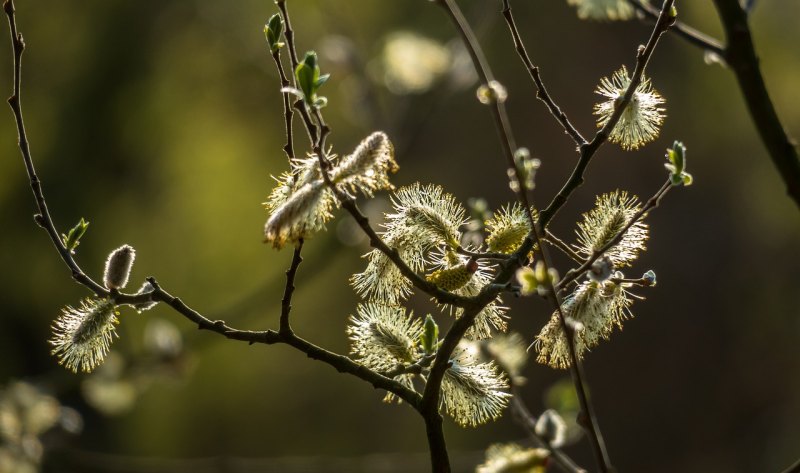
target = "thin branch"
x: 43, y: 218
x: 541, y: 91
x: 341, y: 363
x: 288, y: 33
x: 587, y: 151
x: 741, y: 56
x: 287, y: 105
x: 561, y: 245
x: 686, y: 32
x: 649, y: 205
x: 286, y: 302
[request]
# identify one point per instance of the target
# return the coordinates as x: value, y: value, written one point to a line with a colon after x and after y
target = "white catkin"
x: 118, y: 267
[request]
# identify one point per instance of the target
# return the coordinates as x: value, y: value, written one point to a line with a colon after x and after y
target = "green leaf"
x: 305, y: 79
x: 72, y: 239
x: 273, y: 30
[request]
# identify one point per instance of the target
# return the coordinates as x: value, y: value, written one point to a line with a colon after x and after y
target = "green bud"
x: 273, y: 30
x: 430, y: 336
x: 72, y: 239
x: 309, y: 80
x: 677, y: 165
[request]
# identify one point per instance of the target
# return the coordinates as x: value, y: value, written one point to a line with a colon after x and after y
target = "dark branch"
x: 288, y: 290
x: 537, y: 79
x: 688, y: 33
x: 740, y: 55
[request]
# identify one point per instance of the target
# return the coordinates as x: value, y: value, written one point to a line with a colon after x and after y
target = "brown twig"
x: 684, y: 31
x: 541, y: 91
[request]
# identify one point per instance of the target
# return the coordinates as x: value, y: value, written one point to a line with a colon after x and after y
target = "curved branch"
x: 541, y: 91
x: 740, y: 54
x: 684, y: 31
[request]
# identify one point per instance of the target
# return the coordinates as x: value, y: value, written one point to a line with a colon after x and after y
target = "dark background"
x: 160, y: 122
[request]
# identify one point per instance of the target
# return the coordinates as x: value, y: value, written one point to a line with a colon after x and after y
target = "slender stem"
x: 561, y: 245
x: 288, y: 33
x: 740, y: 54
x: 43, y: 218
x: 541, y: 91
x: 688, y: 33
x: 587, y: 151
x: 287, y: 106
x: 649, y: 205
x: 286, y: 302
x: 341, y: 363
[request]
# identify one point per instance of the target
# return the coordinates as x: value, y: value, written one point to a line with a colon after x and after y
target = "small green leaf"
x: 72, y: 239
x: 677, y: 165
x: 273, y: 30
x: 305, y: 79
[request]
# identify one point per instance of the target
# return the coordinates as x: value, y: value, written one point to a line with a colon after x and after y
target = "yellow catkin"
x: 454, y: 278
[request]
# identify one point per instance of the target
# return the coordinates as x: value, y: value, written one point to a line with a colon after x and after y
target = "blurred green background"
x: 160, y: 122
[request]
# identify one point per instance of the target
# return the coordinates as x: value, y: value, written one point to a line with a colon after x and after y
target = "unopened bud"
x: 118, y: 267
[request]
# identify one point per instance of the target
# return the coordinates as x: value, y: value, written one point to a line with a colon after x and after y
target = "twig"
x: 541, y: 93
x: 587, y: 151
x: 561, y: 245
x: 288, y: 33
x: 287, y: 105
x: 286, y: 303
x: 43, y: 218
x: 341, y: 363
x: 649, y: 205
x: 741, y: 56
x: 688, y: 33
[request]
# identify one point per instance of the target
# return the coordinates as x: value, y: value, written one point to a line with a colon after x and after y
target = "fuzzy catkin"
x: 118, y: 267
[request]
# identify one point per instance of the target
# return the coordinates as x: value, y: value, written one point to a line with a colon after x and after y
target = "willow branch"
x: 587, y: 151
x: 561, y: 245
x: 684, y: 31
x: 541, y: 91
x: 288, y: 148
x: 341, y: 363
x: 740, y: 55
x: 288, y: 290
